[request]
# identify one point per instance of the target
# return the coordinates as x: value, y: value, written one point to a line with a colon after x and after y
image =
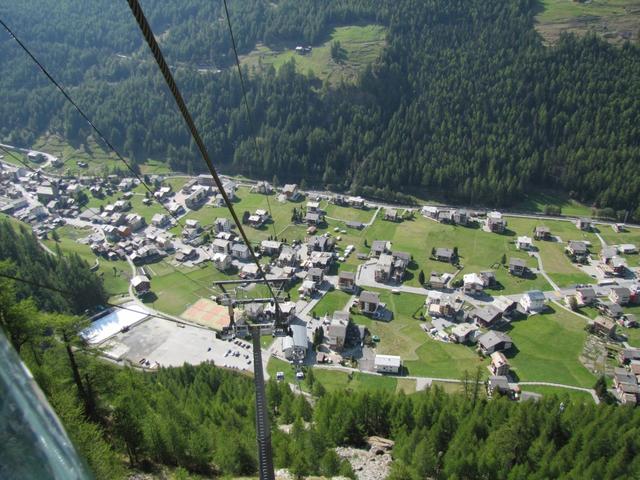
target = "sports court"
x: 208, y: 314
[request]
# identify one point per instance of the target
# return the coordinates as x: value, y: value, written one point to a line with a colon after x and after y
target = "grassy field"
x: 554, y: 260
x: 547, y: 348
x: 332, y: 301
x: 607, y: 18
x: 536, y: 201
x: 563, y: 394
x: 116, y: 274
x: 361, y: 45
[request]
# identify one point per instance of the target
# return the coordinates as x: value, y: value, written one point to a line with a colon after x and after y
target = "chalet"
x: 628, y: 320
x: 218, y: 201
x: 618, y: 227
x: 186, y: 253
x: 626, y: 386
x: 36, y: 157
x: 205, y: 179
x: 313, y: 218
x: 627, y: 248
x: 262, y: 187
x: 368, y: 302
x: 498, y: 384
x: 287, y: 310
x: 464, y: 333
x: 221, y: 261
x: 346, y: 281
x: 401, y: 261
x: 290, y: 191
x: 319, y: 243
x: 222, y: 225
x: 517, y: 267
x: 124, y: 231
x: 391, y: 215
x: 140, y: 284
x: 499, y: 364
x: 295, y: 347
x: 493, y: 341
x: 337, y: 331
x: 322, y: 260
x: 578, y: 250
x: 584, y: 224
x: 488, y: 278
x: 383, y: 268
x: 176, y: 209
x: 444, y: 255
x: 438, y: 280
x: 585, y: 296
x: 495, y: 223
x: 355, y: 225
x: 542, y: 233
x: 387, y: 364
x: 221, y: 246
x: 256, y: 221
x: 308, y: 288
x: 288, y: 257
x: 270, y: 247
x: 429, y: 212
x: 604, y: 325
x: 524, y: 243
x: 445, y: 216
x: 485, y: 316
x: 110, y: 232
x: 533, y: 301
x: 313, y: 207
x: 126, y: 184
x: 461, y: 217
x: 195, y: 199
x: 610, y: 309
x: 615, y: 266
x: 316, y: 275
x: 46, y: 193
x: 240, y: 251
x: 135, y: 222
x: 440, y: 304
x: 356, y: 202
x: 628, y: 355
x: 505, y: 305
x: 620, y: 295
x: 472, y: 284
x: 249, y: 270
x: 378, y: 247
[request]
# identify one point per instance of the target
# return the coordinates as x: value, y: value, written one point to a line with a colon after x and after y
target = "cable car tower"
x: 279, y: 326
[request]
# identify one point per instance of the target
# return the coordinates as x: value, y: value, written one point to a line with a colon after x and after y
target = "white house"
x: 221, y: 261
x: 533, y: 301
x: 387, y: 363
x: 524, y: 243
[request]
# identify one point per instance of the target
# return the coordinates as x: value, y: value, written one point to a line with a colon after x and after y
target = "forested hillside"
x: 464, y: 102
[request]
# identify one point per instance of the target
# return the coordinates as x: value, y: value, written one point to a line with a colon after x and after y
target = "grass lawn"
x: 554, y: 260
x: 406, y: 385
x: 116, y: 274
x: 349, y: 214
x: 332, y: 301
x: 547, y: 348
x: 361, y: 45
x: 536, y: 201
x: 174, y: 293
x: 478, y: 250
x: 563, y: 394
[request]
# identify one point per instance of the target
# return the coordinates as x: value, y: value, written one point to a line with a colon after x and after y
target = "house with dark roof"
x: 444, y: 255
x: 494, y: 341
x: 485, y: 316
x: 368, y: 302
x: 517, y: 267
x: 347, y: 281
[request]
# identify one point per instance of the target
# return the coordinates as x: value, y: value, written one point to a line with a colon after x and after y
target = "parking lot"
x: 163, y: 343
